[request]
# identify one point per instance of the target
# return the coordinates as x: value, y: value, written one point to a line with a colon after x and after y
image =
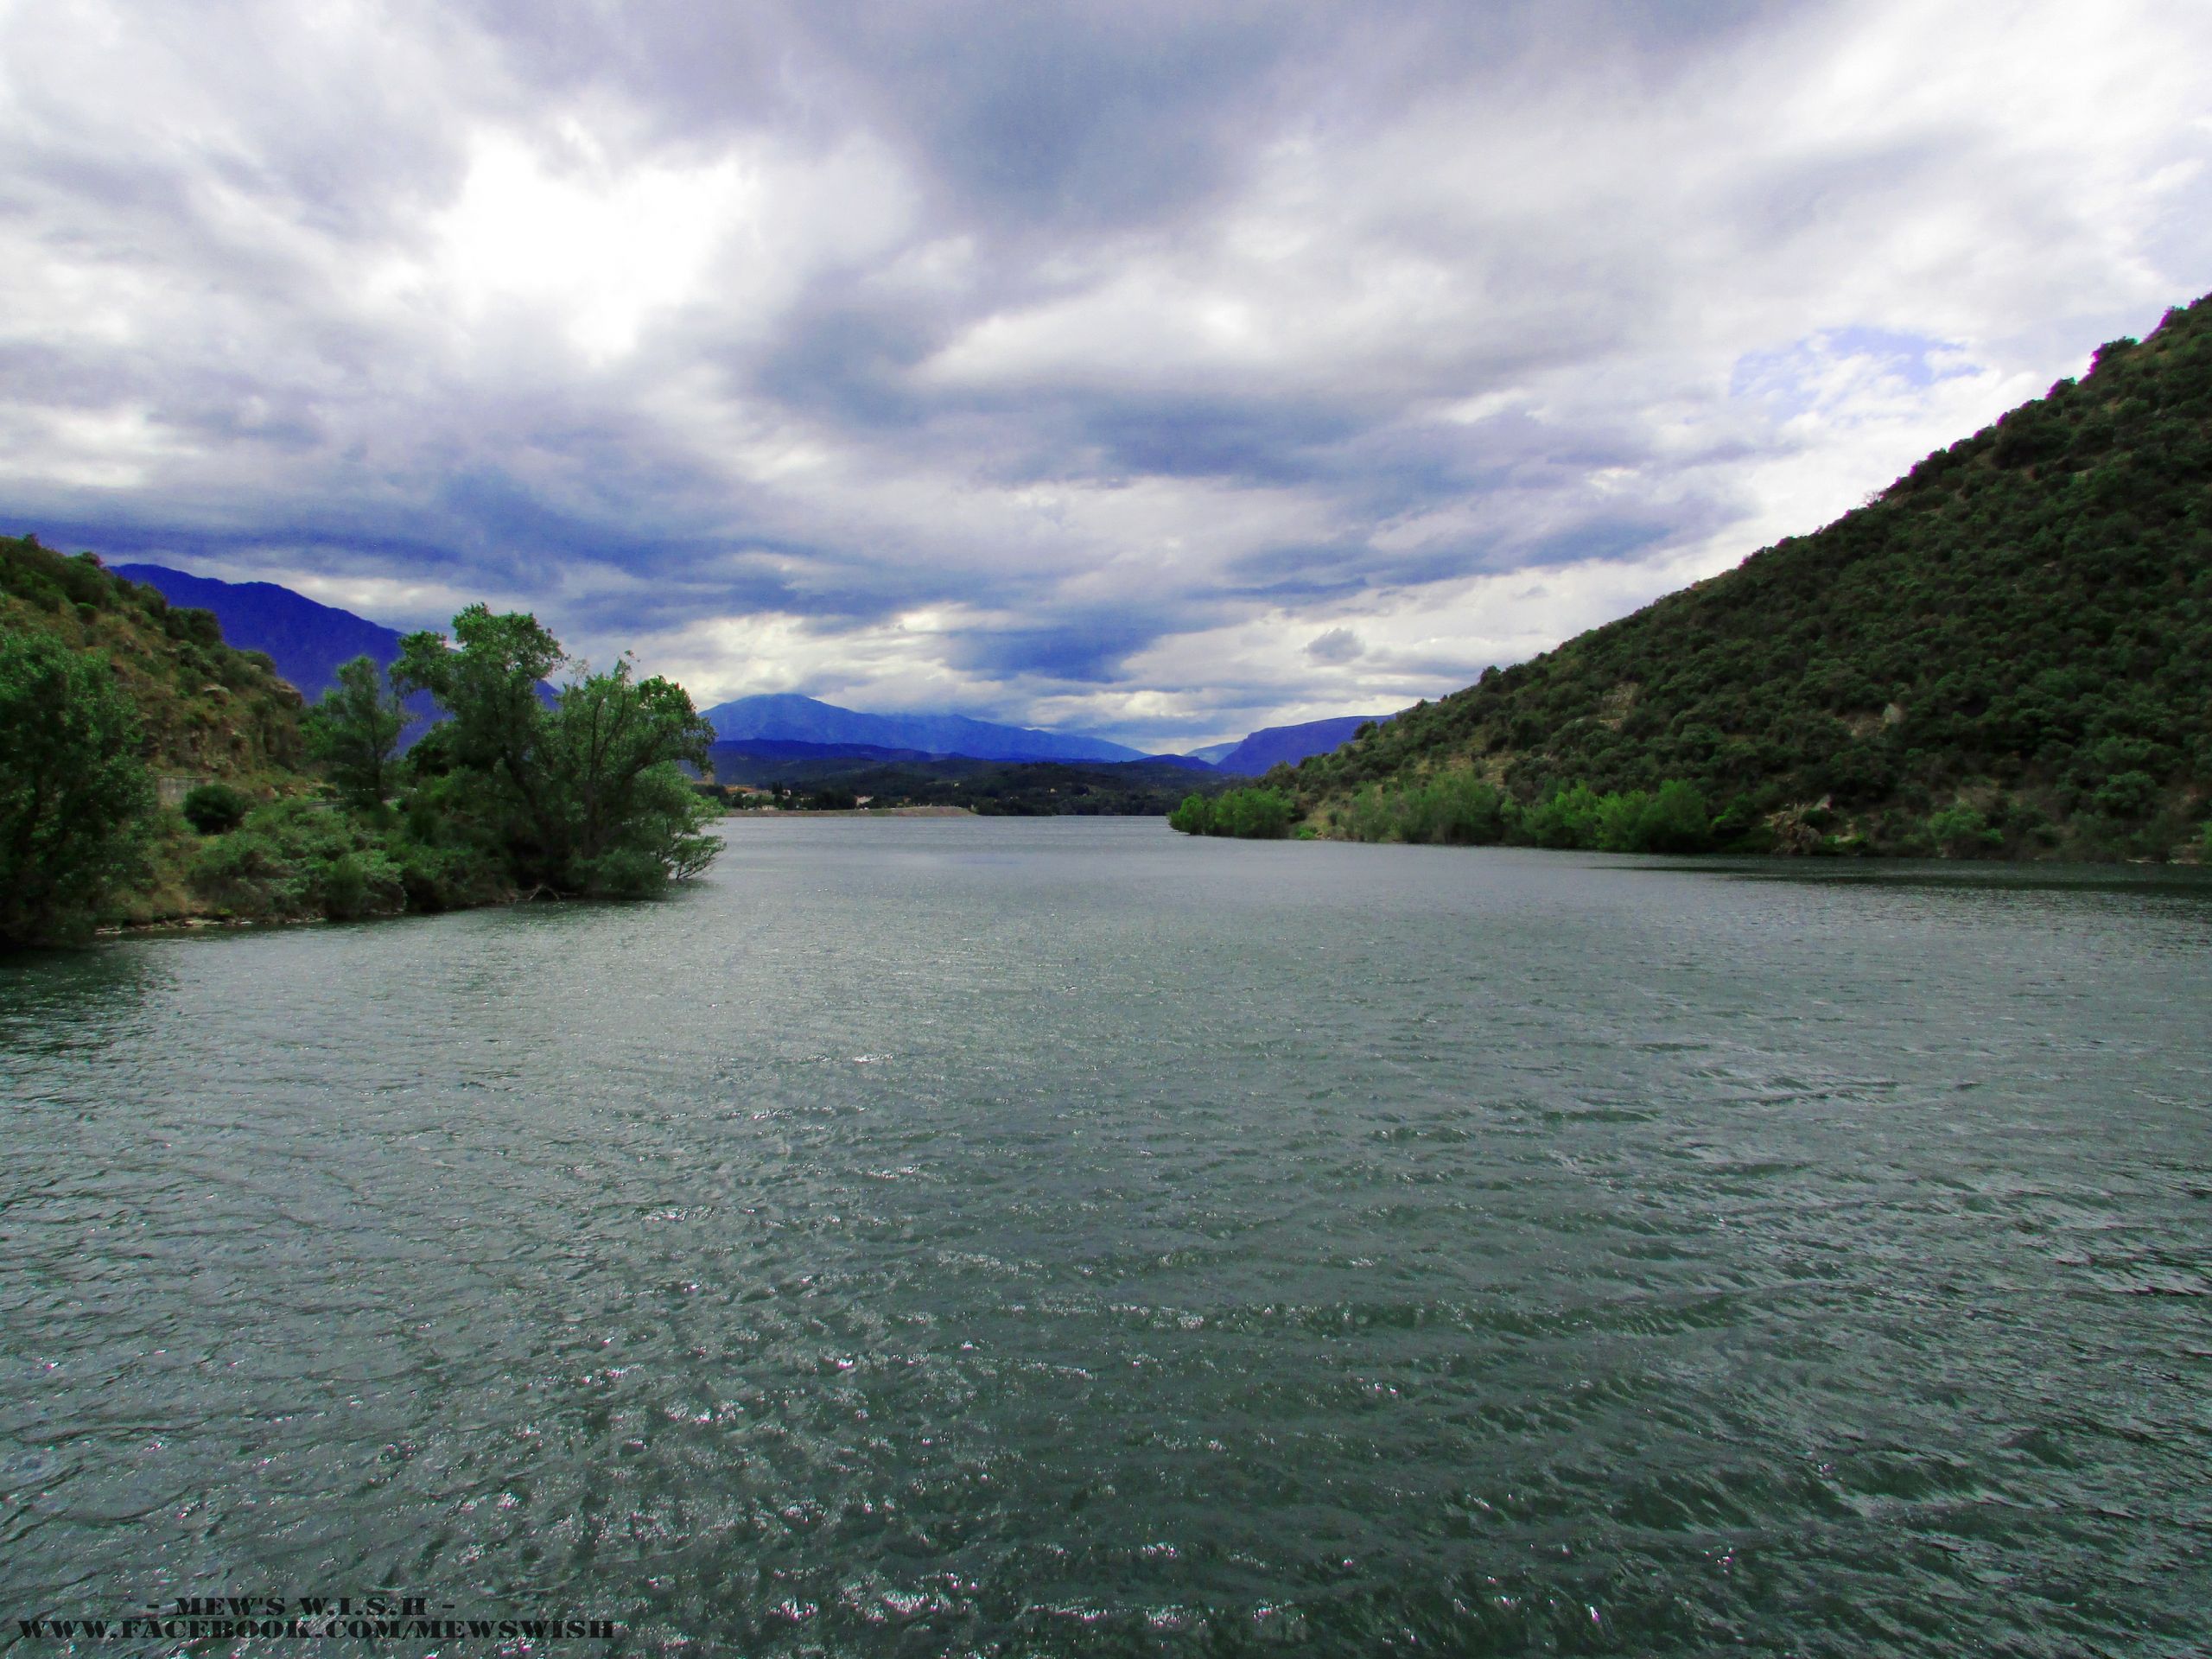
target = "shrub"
x: 1568, y: 819
x: 2126, y: 795
x: 215, y: 808
x: 1252, y: 814
x: 1259, y: 814
x: 293, y: 859
x: 1962, y: 832
x: 1676, y: 820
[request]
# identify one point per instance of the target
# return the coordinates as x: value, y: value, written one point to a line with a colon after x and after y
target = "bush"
x: 1249, y: 814
x: 292, y: 858
x: 2126, y: 795
x: 1252, y: 814
x: 215, y: 808
x: 1193, y: 816
x: 1675, y: 820
x: 1962, y: 832
x: 1568, y: 819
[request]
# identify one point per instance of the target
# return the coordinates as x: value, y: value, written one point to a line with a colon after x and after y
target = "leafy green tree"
x: 1261, y: 814
x: 487, y: 680
x: 354, y: 731
x: 1193, y: 816
x: 1566, y: 819
x: 615, y: 752
x: 1469, y: 811
x: 1253, y: 814
x: 586, y: 795
x: 1676, y: 820
x: 1617, y: 822
x: 73, y: 794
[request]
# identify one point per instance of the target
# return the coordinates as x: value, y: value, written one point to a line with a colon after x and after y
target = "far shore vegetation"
x: 1459, y: 809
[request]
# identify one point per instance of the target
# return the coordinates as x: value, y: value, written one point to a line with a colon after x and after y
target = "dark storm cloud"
x: 1152, y: 367
x: 1085, y: 648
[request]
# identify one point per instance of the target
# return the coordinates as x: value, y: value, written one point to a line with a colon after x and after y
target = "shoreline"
x: 940, y: 811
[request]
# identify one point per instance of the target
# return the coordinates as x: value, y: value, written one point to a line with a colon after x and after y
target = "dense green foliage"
x: 103, y: 686
x: 1256, y: 814
x: 992, y: 788
x: 588, y: 796
x: 2007, y: 652
x: 354, y: 732
x: 300, y: 858
x: 215, y: 808
x: 74, y: 792
x: 1460, y: 808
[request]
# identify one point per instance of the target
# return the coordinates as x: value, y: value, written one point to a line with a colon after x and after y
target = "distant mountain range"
x: 789, y: 718
x: 308, y: 640
x: 1285, y: 745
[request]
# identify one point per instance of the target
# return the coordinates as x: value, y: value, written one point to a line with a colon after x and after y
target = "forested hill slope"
x: 2015, y: 638
x: 205, y: 710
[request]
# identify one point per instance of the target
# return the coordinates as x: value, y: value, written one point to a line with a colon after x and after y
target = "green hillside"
x: 205, y: 710
x: 2008, y: 653
x: 149, y: 773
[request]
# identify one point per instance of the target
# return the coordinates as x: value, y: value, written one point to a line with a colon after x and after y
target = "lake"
x: 1060, y: 1236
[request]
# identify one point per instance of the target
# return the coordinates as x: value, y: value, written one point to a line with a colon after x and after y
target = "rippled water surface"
x: 936, y: 1236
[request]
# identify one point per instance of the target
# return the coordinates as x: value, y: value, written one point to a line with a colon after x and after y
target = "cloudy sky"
x: 1161, y: 371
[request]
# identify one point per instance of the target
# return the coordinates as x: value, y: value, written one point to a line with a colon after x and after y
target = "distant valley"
x: 307, y: 640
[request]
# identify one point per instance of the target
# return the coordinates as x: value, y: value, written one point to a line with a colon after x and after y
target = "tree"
x: 1193, y: 816
x: 488, y: 679
x: 73, y: 793
x: 354, y: 732
x: 1677, y: 820
x: 614, y: 752
x: 1259, y: 814
x: 586, y: 795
